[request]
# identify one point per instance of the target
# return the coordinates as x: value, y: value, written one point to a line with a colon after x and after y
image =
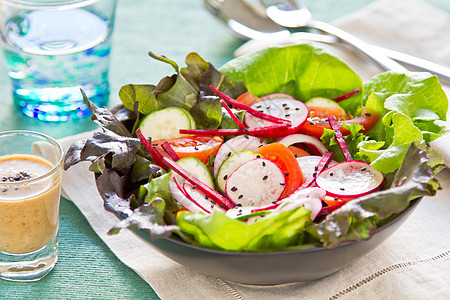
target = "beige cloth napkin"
x: 413, y: 264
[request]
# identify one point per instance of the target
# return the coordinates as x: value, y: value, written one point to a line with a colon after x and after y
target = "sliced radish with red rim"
x: 289, y: 109
x: 256, y: 183
x: 350, y: 179
x: 303, y: 139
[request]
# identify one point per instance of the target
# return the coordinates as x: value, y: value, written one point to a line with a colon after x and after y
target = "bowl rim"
x: 308, y: 248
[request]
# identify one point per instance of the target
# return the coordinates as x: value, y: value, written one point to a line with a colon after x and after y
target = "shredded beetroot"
x: 250, y: 110
x: 339, y: 137
x: 232, y: 115
x: 329, y: 209
x: 322, y: 165
x: 166, y: 146
x: 347, y: 95
x: 273, y: 131
x: 155, y: 156
x: 160, y: 156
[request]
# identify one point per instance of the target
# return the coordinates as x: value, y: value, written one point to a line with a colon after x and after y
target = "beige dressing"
x: 28, y: 211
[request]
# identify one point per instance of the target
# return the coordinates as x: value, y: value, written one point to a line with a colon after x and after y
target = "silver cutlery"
x: 249, y: 21
x: 288, y: 14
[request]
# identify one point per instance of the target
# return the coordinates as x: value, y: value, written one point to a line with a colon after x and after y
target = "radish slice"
x: 200, y: 198
x: 239, y: 211
x: 350, y: 179
x: 179, y: 196
x: 277, y: 96
x: 293, y: 110
x: 239, y: 143
x: 267, y: 183
x: 309, y: 165
x: 309, y: 198
x: 303, y: 138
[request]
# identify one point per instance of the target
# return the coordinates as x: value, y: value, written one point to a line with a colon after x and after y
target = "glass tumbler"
x: 54, y: 48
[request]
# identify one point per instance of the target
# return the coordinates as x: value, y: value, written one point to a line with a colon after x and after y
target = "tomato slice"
x: 317, y: 121
x: 298, y: 152
x: 286, y: 161
x: 201, y: 147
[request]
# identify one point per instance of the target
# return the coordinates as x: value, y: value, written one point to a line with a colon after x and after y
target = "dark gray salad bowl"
x: 269, y: 268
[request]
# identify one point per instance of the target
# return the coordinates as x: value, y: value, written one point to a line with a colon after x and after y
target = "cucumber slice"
x: 324, y: 102
x: 231, y: 164
x: 196, y: 168
x: 165, y: 123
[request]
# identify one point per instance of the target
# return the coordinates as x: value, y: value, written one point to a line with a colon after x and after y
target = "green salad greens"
x: 412, y: 106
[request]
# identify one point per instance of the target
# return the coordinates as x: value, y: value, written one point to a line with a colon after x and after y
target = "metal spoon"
x: 288, y: 14
x: 251, y: 22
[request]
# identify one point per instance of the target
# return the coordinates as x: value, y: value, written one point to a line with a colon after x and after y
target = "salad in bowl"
x: 284, y: 151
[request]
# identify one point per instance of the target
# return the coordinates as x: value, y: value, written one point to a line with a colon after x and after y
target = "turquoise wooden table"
x: 86, y: 267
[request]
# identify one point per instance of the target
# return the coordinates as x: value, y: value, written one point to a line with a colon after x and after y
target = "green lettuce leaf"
x: 302, y: 71
x: 272, y: 232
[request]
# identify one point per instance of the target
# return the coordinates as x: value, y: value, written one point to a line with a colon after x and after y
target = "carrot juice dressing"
x: 29, y: 206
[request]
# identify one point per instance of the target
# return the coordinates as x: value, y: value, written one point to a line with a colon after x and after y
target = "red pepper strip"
x: 329, y: 209
x: 347, y: 95
x: 248, y: 108
x: 214, y: 195
x: 155, y: 156
x: 322, y: 165
x: 273, y: 131
x: 235, y: 119
x: 339, y: 138
x: 166, y: 146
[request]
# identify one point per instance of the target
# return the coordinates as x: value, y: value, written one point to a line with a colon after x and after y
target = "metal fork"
x: 289, y: 13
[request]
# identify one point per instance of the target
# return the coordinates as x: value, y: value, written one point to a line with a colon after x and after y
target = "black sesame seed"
x: 282, y: 183
x: 212, y: 205
x: 263, y: 163
x: 221, y: 205
x: 196, y: 148
x: 258, y: 106
x: 234, y: 189
x: 342, y: 189
x: 225, y: 177
x: 229, y: 154
x: 316, y: 168
x: 297, y: 108
x: 363, y: 169
x: 154, y: 145
x: 368, y: 114
x: 246, y: 136
x: 287, y: 108
x: 336, y: 198
x: 311, y: 123
x: 265, y: 177
x: 239, y: 205
x: 331, y: 173
x: 314, y: 174
x: 261, y: 140
x: 240, y: 196
x: 5, y: 190
x: 268, y: 106
x: 194, y: 187
x: 206, y: 197
x: 295, y: 155
x: 287, y: 115
x: 286, y: 174
x: 284, y: 104
x: 213, y: 202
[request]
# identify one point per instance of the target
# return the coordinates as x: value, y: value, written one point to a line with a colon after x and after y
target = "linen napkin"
x: 413, y: 264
